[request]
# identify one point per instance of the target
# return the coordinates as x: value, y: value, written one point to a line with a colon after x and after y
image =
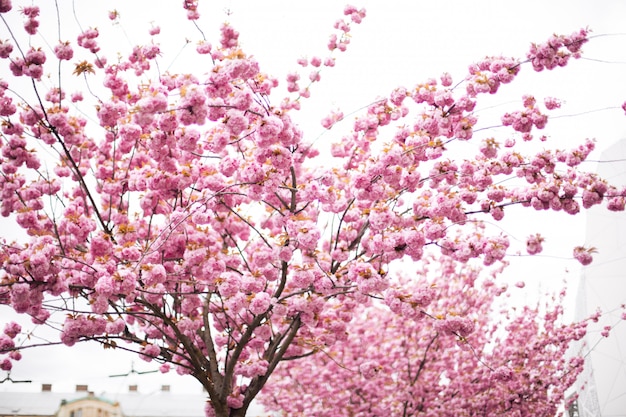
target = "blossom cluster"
x: 7, y: 344
x: 557, y: 51
x: 338, y: 41
x: 450, y: 357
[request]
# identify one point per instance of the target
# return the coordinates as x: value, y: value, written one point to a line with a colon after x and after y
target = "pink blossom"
x: 356, y: 15
x: 446, y: 79
x: 557, y: 51
x: 460, y: 326
x: 76, y: 96
x: 193, y: 14
x: 502, y: 373
x: 533, y: 244
x: 308, y: 238
x: 12, y: 329
x: 31, y: 26
x: 5, y: 49
x: 497, y: 213
x: 303, y: 278
x: 616, y: 203
x: 115, y: 327
x: 30, y: 11
x: 6, y: 365
x: 209, y: 410
x: 591, y: 198
x: 369, y: 370
x: 5, y: 6
x: 349, y: 9
x: 583, y: 255
x: 552, y: 103
x: 263, y: 332
x: 230, y: 37
x: 87, y: 40
x: 314, y: 76
x: 204, y: 48
x: 235, y: 401
x: 316, y: 61
x: 236, y: 123
x: 6, y: 343
x: 150, y: 352
x: 334, y: 117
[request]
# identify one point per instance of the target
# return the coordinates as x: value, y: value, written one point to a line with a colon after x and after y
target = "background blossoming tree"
x: 191, y: 221
x: 451, y: 359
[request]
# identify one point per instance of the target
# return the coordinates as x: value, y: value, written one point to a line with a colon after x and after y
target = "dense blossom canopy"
x: 452, y: 359
x: 193, y: 222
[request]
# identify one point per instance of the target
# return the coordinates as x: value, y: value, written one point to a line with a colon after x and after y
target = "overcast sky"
x: 399, y: 43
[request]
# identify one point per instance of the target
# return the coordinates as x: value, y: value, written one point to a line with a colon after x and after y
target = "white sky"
x: 399, y: 43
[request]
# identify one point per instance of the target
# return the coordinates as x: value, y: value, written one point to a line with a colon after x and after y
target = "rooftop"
x: 162, y: 403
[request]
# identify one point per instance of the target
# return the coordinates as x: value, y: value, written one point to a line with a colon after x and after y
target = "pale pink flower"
x: 552, y: 103
x: 6, y: 365
x: 64, y: 51
x: 584, y: 255
x: 446, y: 79
x: 115, y: 327
x: 533, y: 244
x: 314, y: 76
x: 5, y: 6
x: 369, y: 369
x: 235, y: 400
x: 150, y: 352
x: 12, y: 329
x: 6, y: 343
x: 260, y: 303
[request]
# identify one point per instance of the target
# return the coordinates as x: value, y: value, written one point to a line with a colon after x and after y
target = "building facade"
x: 90, y: 406
x: 601, y: 389
x: 84, y: 403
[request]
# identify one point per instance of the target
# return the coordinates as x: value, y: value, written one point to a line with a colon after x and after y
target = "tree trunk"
x: 230, y: 412
x: 239, y: 412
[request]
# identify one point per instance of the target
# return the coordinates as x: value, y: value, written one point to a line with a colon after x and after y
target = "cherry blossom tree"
x: 461, y: 355
x: 186, y: 217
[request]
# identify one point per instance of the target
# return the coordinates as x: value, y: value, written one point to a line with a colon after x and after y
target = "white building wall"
x: 603, y: 285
